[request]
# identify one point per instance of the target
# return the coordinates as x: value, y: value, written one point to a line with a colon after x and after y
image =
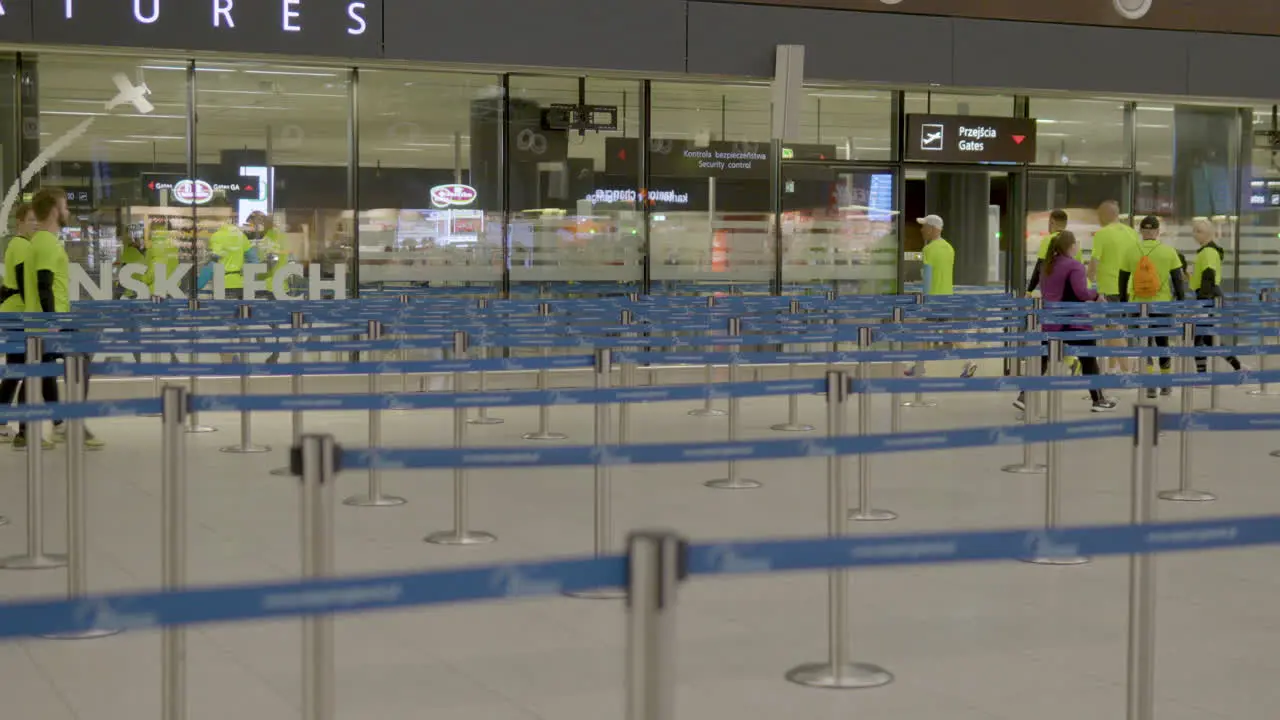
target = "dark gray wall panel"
x: 15, y: 24
x: 1069, y: 57
x: 1234, y: 66
x: 646, y: 36
x: 727, y: 39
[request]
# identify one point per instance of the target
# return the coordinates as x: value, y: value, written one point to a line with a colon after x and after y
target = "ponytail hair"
x: 1059, y: 247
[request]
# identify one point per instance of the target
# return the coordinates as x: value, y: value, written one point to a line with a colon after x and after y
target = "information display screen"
x: 970, y: 139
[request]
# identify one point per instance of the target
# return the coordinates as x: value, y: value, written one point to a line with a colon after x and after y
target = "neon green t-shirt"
x: 1164, y: 257
x: 940, y: 256
x: 14, y: 255
x: 1047, y: 240
x: 230, y: 243
x: 47, y: 253
x: 1208, y: 258
x: 1111, y: 245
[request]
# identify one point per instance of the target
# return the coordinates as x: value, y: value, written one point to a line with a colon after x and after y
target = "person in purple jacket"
x: 1065, y: 279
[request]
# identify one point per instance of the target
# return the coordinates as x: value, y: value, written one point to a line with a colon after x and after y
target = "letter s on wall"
x: 355, y: 11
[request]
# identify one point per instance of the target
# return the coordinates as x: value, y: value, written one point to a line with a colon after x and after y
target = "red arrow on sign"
x: 1017, y: 139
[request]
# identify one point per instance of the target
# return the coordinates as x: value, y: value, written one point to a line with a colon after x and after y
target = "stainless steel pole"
x: 655, y: 569
x: 246, y: 446
x: 193, y: 416
x: 626, y: 376
x: 734, y: 481
x: 1211, y: 363
x: 1030, y: 402
x: 35, y: 558
x: 544, y: 431
x: 1186, y: 473
x: 297, y: 320
x: 602, y: 490
x: 838, y: 671
x: 918, y: 372
x: 173, y: 550
x: 319, y: 466
x: 1264, y: 360
x: 793, y: 423
x: 895, y: 371
x: 482, y: 415
x: 1140, y: 665
x: 865, y: 512
x: 708, y: 378
x: 374, y: 497
x: 460, y: 534
x: 1046, y: 553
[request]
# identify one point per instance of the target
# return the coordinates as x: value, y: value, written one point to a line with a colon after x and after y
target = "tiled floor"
x: 1004, y: 641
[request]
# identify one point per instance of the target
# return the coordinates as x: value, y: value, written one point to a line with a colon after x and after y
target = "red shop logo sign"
x: 452, y: 195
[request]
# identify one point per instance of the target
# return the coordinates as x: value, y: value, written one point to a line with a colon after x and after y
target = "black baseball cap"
x: 1150, y: 222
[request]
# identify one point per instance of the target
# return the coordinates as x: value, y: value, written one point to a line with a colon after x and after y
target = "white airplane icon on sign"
x: 135, y: 95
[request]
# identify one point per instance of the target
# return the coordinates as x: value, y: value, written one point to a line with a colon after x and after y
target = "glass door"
x: 1079, y: 193
x: 840, y: 228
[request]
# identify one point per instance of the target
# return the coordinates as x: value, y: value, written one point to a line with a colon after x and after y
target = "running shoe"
x: 1166, y: 392
x: 970, y: 369
x: 20, y: 443
x: 910, y: 371
x: 1073, y: 364
x: 91, y: 441
x: 1021, y: 402
x: 5, y: 437
x: 1104, y: 405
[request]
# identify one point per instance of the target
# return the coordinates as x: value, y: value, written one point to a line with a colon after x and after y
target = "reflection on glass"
x: 1259, y: 222
x: 856, y: 122
x: 1081, y: 132
x: 1078, y: 194
x: 111, y: 160
x: 932, y: 103
x: 710, y: 157
x: 272, y: 143
x: 430, y: 182
x: 839, y: 231
x: 576, y: 220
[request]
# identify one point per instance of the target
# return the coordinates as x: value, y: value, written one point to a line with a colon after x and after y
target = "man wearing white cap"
x: 939, y: 267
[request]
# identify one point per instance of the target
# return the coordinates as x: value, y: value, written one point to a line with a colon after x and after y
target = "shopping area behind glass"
x: 400, y: 179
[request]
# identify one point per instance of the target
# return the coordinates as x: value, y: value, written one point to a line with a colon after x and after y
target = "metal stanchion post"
x: 318, y: 463
x: 246, y: 446
x: 193, y: 416
x: 793, y: 423
x: 626, y: 377
x: 1264, y: 360
x: 374, y: 497
x: 544, y: 431
x: 656, y: 566
x: 734, y: 481
x: 296, y: 323
x: 864, y: 512
x: 35, y: 558
x: 482, y: 416
x: 1185, y: 493
x: 708, y: 377
x: 895, y: 371
x: 602, y: 480
x: 173, y: 551
x: 918, y: 401
x: 460, y: 534
x: 1215, y: 402
x: 838, y: 671
x: 1031, y: 405
x: 1044, y: 552
x: 1140, y: 665
x: 76, y: 367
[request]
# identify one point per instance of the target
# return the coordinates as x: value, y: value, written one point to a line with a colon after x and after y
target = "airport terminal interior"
x: 438, y: 184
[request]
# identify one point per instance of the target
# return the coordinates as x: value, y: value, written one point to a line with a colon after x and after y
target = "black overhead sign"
x: 687, y: 159
x: 346, y: 28
x: 966, y: 138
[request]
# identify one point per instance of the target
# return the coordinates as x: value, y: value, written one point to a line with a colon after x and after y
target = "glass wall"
x: 469, y: 183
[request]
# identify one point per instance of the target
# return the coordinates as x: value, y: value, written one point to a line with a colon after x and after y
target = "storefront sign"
x: 454, y: 195
x: 198, y: 191
x: 611, y: 197
x: 967, y: 138
x: 324, y: 27
x: 193, y: 192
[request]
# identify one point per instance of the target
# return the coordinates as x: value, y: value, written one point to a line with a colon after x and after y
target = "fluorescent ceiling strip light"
x: 290, y: 72
x: 103, y: 114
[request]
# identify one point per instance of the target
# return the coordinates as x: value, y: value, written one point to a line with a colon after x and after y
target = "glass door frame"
x: 894, y: 170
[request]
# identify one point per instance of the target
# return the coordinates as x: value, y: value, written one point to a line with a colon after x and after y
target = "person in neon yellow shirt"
x: 12, y: 301
x: 47, y: 277
x: 161, y: 251
x: 1111, y: 243
x: 939, y: 258
x: 228, y: 247
x: 1206, y: 281
x: 271, y: 249
x: 1057, y: 223
x: 1168, y: 269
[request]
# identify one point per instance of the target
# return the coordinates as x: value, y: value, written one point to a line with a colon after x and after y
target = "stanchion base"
x: 452, y: 537
x: 788, y: 427
x: 198, y: 429
x: 485, y: 421
x: 1020, y: 469
x: 727, y: 484
x: 4, y: 520
x: 872, y: 515
x: 1057, y: 560
x: 853, y: 676
x: 83, y: 634
x: 1275, y: 453
x: 921, y: 404
x: 1187, y: 496
x: 598, y: 594
x: 370, y: 501
x: 34, y: 562
x: 545, y: 436
x: 281, y: 472
x: 707, y: 412
x: 245, y: 449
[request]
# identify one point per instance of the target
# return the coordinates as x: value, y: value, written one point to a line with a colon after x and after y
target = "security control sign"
x: 967, y: 138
